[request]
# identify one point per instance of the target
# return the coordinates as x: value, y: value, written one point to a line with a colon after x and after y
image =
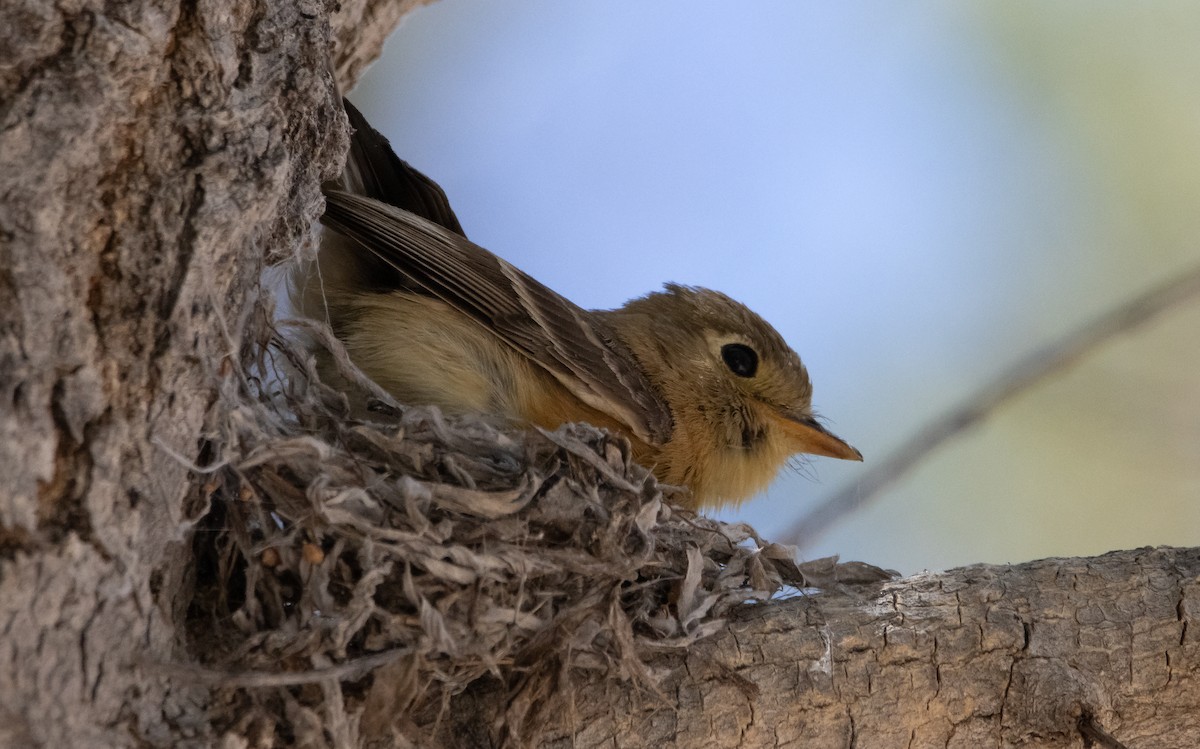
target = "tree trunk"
x: 151, y: 155
x: 152, y: 158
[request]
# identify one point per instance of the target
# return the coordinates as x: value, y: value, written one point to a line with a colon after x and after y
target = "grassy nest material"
x: 354, y: 577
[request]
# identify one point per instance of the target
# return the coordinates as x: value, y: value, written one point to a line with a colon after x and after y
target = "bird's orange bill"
x: 807, y: 436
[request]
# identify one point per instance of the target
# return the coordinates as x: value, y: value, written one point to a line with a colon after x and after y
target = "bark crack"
x: 60, y: 500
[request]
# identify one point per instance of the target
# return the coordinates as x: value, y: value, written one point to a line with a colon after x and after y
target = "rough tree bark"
x: 1055, y: 653
x: 152, y: 157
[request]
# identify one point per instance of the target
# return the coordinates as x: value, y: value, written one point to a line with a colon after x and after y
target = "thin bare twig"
x: 1030, y: 371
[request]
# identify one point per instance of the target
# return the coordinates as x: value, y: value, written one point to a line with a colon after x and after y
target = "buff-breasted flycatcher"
x: 709, y: 395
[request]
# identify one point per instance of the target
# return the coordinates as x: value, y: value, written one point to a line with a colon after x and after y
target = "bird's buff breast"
x: 718, y: 474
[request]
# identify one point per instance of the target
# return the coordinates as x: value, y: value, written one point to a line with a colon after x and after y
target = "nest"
x: 355, y: 577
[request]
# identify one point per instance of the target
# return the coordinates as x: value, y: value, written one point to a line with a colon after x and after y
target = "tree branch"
x: 1048, y: 654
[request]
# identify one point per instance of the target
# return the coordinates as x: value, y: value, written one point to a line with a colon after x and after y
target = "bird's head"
x: 740, y: 396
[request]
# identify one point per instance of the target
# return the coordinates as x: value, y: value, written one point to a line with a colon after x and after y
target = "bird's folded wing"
x: 569, y: 342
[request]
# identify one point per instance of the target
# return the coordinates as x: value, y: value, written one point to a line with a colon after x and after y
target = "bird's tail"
x: 373, y: 170
x: 327, y: 288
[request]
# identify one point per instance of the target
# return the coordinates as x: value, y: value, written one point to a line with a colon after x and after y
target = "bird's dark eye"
x: 741, y: 360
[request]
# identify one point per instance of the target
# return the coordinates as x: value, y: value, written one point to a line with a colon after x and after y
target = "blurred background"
x: 916, y: 195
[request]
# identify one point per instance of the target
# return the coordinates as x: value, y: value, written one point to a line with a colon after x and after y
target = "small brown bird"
x: 709, y: 395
